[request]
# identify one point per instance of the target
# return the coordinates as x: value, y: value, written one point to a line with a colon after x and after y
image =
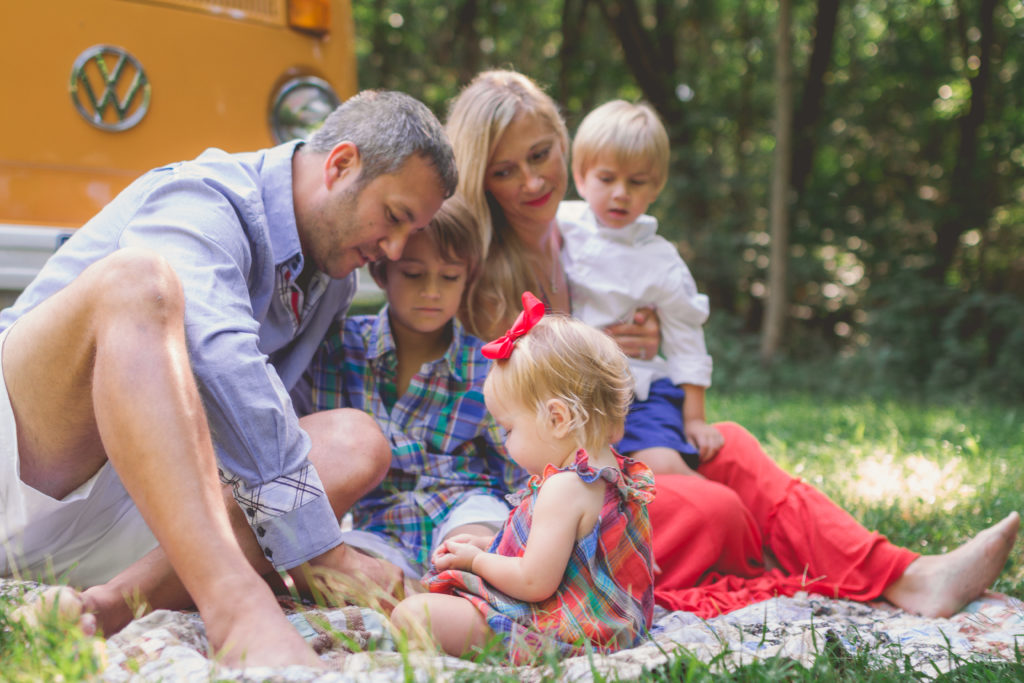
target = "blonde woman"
x: 511, y: 148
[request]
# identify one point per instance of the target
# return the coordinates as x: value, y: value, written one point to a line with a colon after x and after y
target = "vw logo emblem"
x: 109, y: 88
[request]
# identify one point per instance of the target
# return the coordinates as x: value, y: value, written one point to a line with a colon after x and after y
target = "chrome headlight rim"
x: 291, y: 116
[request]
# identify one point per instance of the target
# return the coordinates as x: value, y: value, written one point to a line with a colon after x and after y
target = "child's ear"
x: 577, y: 179
x: 559, y: 418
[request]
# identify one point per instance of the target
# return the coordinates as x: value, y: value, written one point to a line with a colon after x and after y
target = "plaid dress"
x: 606, y: 598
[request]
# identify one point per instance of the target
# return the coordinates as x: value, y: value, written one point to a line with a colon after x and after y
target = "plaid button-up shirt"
x: 445, y: 446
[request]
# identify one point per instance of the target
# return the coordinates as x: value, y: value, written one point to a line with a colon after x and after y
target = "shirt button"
x: 251, y: 512
x: 261, y: 531
x: 268, y: 552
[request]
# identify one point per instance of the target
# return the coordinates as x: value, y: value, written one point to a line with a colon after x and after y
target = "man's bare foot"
x: 941, y: 585
x: 61, y: 603
x: 247, y: 628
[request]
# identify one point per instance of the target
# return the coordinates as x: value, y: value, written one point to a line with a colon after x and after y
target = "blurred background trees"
x: 906, y: 203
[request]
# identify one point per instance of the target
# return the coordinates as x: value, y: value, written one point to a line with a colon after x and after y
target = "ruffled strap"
x: 632, y: 478
x: 637, y: 478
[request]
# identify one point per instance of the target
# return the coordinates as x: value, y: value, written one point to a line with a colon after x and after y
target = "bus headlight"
x: 300, y: 106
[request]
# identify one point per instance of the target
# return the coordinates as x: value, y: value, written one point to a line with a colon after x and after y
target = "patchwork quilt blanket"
x: 356, y: 645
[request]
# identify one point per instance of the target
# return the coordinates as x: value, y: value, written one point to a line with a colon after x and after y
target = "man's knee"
x: 136, y: 282
x: 361, y: 433
x: 349, y: 444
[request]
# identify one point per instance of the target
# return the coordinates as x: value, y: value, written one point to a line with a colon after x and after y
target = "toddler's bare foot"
x: 941, y: 585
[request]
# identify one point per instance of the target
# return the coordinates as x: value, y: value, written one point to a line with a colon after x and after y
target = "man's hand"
x: 347, y: 575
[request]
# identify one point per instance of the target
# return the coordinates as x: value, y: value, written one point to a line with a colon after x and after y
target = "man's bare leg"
x: 124, y: 391
x: 351, y: 457
x: 940, y: 585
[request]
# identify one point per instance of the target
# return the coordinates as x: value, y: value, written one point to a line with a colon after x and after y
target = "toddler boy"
x: 616, y: 263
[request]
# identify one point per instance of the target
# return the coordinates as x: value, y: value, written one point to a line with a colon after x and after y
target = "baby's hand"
x: 481, y: 541
x: 454, y: 554
x: 705, y: 438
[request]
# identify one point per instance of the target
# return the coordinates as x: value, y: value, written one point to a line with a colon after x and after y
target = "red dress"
x: 710, y: 535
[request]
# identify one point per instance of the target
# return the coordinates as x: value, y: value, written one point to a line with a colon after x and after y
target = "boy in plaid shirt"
x: 415, y: 370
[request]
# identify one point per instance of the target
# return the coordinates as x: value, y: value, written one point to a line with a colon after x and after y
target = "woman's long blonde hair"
x: 477, y: 118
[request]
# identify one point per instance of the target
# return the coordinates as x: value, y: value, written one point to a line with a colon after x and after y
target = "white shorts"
x: 83, y: 539
x: 482, y: 509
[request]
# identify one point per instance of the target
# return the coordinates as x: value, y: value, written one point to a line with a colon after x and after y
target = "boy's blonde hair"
x: 630, y: 133
x: 563, y: 358
x: 477, y: 118
x: 453, y: 230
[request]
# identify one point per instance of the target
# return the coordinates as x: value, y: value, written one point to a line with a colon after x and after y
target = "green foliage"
x: 53, y: 652
x: 945, y: 340
x: 912, y: 207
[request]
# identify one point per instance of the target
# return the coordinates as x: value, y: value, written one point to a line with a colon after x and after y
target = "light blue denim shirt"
x: 226, y: 223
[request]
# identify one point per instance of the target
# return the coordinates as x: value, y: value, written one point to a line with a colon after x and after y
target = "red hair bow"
x: 501, y: 348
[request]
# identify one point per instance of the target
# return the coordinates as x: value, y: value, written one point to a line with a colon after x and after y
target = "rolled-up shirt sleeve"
x: 682, y: 311
x: 226, y: 223
x: 262, y: 451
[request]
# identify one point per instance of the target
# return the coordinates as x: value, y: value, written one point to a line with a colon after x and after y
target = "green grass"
x: 929, y: 476
x: 52, y: 653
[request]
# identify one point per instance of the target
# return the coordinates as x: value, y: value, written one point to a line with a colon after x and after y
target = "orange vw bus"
x: 96, y: 92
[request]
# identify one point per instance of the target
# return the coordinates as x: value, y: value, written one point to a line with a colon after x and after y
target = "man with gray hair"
x: 157, y: 349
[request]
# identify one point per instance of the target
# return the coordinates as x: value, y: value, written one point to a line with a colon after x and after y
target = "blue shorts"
x: 658, y: 421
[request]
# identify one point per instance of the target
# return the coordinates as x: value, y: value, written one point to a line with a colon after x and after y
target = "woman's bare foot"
x: 940, y: 585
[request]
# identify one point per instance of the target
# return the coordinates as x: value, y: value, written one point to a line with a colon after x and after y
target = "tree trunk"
x: 573, y: 18
x: 808, y: 114
x: 651, y: 59
x: 778, y: 296
x: 467, y: 41
x: 968, y: 207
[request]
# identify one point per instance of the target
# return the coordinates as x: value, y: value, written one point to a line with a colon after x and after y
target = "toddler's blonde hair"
x: 630, y: 133
x: 566, y: 359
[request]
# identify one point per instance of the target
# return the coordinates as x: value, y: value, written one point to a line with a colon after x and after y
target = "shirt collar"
x: 275, y: 173
x: 451, y: 356
x: 382, y: 343
x: 644, y: 226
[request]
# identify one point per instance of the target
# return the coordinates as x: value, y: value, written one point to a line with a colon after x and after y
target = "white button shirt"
x: 615, y: 271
